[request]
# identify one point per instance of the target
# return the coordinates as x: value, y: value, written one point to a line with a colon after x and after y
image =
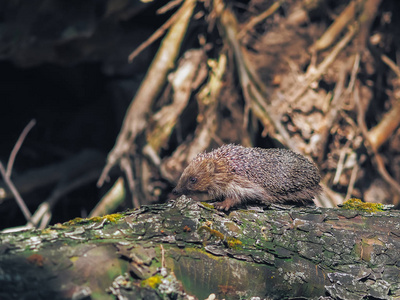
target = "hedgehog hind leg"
x: 303, y: 197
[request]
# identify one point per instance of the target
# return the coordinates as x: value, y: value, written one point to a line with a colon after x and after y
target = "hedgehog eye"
x: 192, y: 180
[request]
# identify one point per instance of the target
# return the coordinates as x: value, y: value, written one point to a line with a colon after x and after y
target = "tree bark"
x: 185, y: 248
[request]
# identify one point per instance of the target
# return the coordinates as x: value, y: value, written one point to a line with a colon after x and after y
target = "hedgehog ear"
x: 210, y: 166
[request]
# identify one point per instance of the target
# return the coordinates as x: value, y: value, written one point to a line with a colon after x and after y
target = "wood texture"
x: 183, y: 248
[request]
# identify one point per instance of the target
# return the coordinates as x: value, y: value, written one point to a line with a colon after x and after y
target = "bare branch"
x: 7, y: 173
x: 18, y: 145
x: 17, y: 196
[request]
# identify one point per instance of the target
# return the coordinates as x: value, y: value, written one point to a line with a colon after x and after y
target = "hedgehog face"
x: 196, y: 179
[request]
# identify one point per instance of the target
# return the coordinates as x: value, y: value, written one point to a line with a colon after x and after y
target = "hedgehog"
x: 234, y: 175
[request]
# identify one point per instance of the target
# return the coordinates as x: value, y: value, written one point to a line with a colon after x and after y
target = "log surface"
x: 185, y: 248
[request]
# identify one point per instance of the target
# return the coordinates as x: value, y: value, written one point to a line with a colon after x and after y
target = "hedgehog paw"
x: 227, y: 204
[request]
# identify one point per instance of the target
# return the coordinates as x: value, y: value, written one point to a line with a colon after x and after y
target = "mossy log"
x: 185, y: 249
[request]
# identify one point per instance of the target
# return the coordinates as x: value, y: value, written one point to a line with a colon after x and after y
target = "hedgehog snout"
x: 176, y: 192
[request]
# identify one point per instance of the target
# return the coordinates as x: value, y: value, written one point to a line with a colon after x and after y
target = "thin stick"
x: 354, y: 73
x: 340, y: 164
x: 264, y: 15
x: 126, y: 167
x: 170, y: 5
x: 7, y: 173
x: 314, y: 75
x: 18, y: 145
x: 391, y: 64
x: 353, y: 178
x: 162, y: 256
x: 334, y: 30
x: 17, y: 196
x: 156, y: 35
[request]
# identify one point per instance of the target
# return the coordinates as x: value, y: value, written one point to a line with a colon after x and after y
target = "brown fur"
x: 235, y: 175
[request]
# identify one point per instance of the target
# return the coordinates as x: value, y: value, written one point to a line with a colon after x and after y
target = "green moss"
x: 152, y: 282
x: 231, y: 242
x: 357, y: 204
x: 208, y: 205
x: 75, y: 221
x: 60, y: 226
x: 213, y: 232
x: 48, y: 231
x: 95, y: 219
x: 113, y: 218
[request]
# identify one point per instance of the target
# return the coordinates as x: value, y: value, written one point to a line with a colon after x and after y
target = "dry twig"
x: 125, y: 164
x: 385, y: 128
x: 170, y: 5
x: 7, y: 173
x: 340, y: 164
x: 18, y: 145
x: 156, y: 35
x: 353, y: 178
x: 315, y: 74
x: 16, y: 194
x: 391, y: 64
x: 258, y: 19
x: 340, y: 23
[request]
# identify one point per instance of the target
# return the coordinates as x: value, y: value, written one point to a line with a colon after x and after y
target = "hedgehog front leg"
x: 227, y: 204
